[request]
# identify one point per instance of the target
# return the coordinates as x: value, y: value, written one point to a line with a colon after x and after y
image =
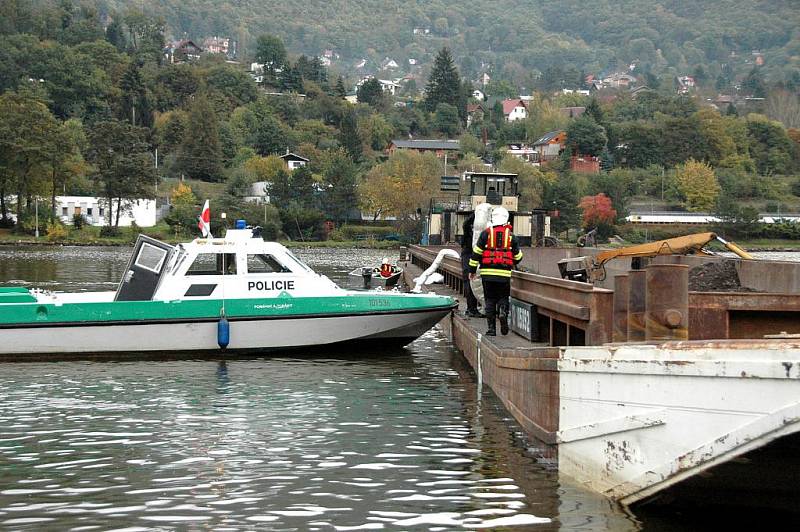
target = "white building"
x: 514, y: 110
x: 97, y: 212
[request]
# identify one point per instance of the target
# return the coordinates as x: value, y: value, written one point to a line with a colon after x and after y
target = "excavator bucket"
x: 576, y: 269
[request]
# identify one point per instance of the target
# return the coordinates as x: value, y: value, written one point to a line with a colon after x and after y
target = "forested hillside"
x: 93, y: 103
x: 514, y: 38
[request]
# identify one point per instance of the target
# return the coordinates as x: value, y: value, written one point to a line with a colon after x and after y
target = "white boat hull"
x: 201, y: 335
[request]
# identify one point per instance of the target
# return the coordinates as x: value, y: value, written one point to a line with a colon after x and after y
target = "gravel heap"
x: 716, y: 276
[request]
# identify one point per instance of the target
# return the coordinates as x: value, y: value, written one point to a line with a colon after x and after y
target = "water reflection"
x: 343, y: 442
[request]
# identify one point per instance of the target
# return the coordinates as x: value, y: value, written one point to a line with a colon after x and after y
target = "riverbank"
x: 90, y: 236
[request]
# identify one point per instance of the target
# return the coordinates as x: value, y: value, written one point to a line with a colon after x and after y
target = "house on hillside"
x: 439, y: 147
x: 523, y: 152
x: 475, y: 113
x: 218, y: 45
x: 572, y: 112
x: 479, y: 95
x: 293, y: 161
x: 636, y: 91
x: 514, y: 109
x: 685, y: 84
x: 619, y: 80
x: 182, y: 51
x: 550, y: 146
x: 389, y: 64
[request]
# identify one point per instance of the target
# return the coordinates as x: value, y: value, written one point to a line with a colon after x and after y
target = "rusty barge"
x: 641, y: 388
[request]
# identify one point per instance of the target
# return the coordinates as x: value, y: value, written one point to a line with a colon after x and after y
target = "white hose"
x: 419, y: 281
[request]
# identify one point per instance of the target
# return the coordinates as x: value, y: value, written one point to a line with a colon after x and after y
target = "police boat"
x: 236, y: 293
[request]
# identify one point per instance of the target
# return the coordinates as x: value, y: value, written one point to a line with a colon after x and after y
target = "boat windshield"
x: 297, y: 261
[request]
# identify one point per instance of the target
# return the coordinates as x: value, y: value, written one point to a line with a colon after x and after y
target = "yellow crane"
x: 590, y: 269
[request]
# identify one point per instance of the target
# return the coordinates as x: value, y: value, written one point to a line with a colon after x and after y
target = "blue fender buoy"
x: 223, y: 333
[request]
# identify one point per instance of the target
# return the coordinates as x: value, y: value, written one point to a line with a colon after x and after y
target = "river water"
x: 374, y: 441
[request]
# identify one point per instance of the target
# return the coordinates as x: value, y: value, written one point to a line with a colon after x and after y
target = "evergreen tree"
x: 116, y: 35
x: 444, y: 84
x: 371, y: 93
x: 200, y: 156
x: 340, y: 91
x: 350, y: 137
x: 340, y: 176
x: 291, y: 80
x: 135, y: 105
x: 302, y: 187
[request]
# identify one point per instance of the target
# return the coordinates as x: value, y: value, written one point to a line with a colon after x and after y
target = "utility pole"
x: 36, y: 209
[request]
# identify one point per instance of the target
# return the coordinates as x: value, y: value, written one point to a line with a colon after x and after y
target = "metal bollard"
x: 667, y: 302
x: 637, y: 280
x: 620, y: 332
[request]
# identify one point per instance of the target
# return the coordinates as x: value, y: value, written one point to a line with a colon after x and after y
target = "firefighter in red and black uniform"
x: 497, y: 252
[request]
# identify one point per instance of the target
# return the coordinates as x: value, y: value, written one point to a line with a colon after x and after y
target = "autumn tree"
x: 598, y: 212
x: 183, y: 211
x: 698, y: 185
x: 401, y: 185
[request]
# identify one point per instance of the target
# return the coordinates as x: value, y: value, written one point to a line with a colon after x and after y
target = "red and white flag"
x: 204, y: 222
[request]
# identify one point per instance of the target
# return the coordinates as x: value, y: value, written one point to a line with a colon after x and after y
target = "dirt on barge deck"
x: 636, y: 419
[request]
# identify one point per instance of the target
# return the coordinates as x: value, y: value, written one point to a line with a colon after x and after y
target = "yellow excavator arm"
x: 591, y: 269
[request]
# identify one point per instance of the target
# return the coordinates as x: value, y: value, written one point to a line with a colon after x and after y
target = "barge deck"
x: 627, y: 411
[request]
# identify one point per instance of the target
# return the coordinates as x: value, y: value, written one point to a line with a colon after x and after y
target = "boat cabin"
x: 239, y: 265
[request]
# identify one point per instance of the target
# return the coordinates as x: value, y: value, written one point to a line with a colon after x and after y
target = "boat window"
x: 298, y: 261
x: 212, y: 264
x: 262, y: 263
x: 151, y: 257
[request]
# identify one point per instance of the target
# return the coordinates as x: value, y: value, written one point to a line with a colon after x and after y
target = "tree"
x: 66, y: 159
x: 586, y: 137
x: 237, y: 86
x: 371, y: 93
x: 271, y: 52
x: 598, y: 213
x: 123, y: 167
x: 444, y: 83
x: 349, y: 136
x: 183, y: 211
x: 784, y: 107
x: 698, y: 185
x: 200, y: 155
x: 401, y: 185
x: 29, y: 143
x: 340, y: 184
x: 561, y: 195
x: 446, y: 119
x: 339, y: 89
x: 135, y: 103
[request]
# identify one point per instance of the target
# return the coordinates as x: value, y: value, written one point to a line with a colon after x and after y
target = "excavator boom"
x: 588, y: 269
